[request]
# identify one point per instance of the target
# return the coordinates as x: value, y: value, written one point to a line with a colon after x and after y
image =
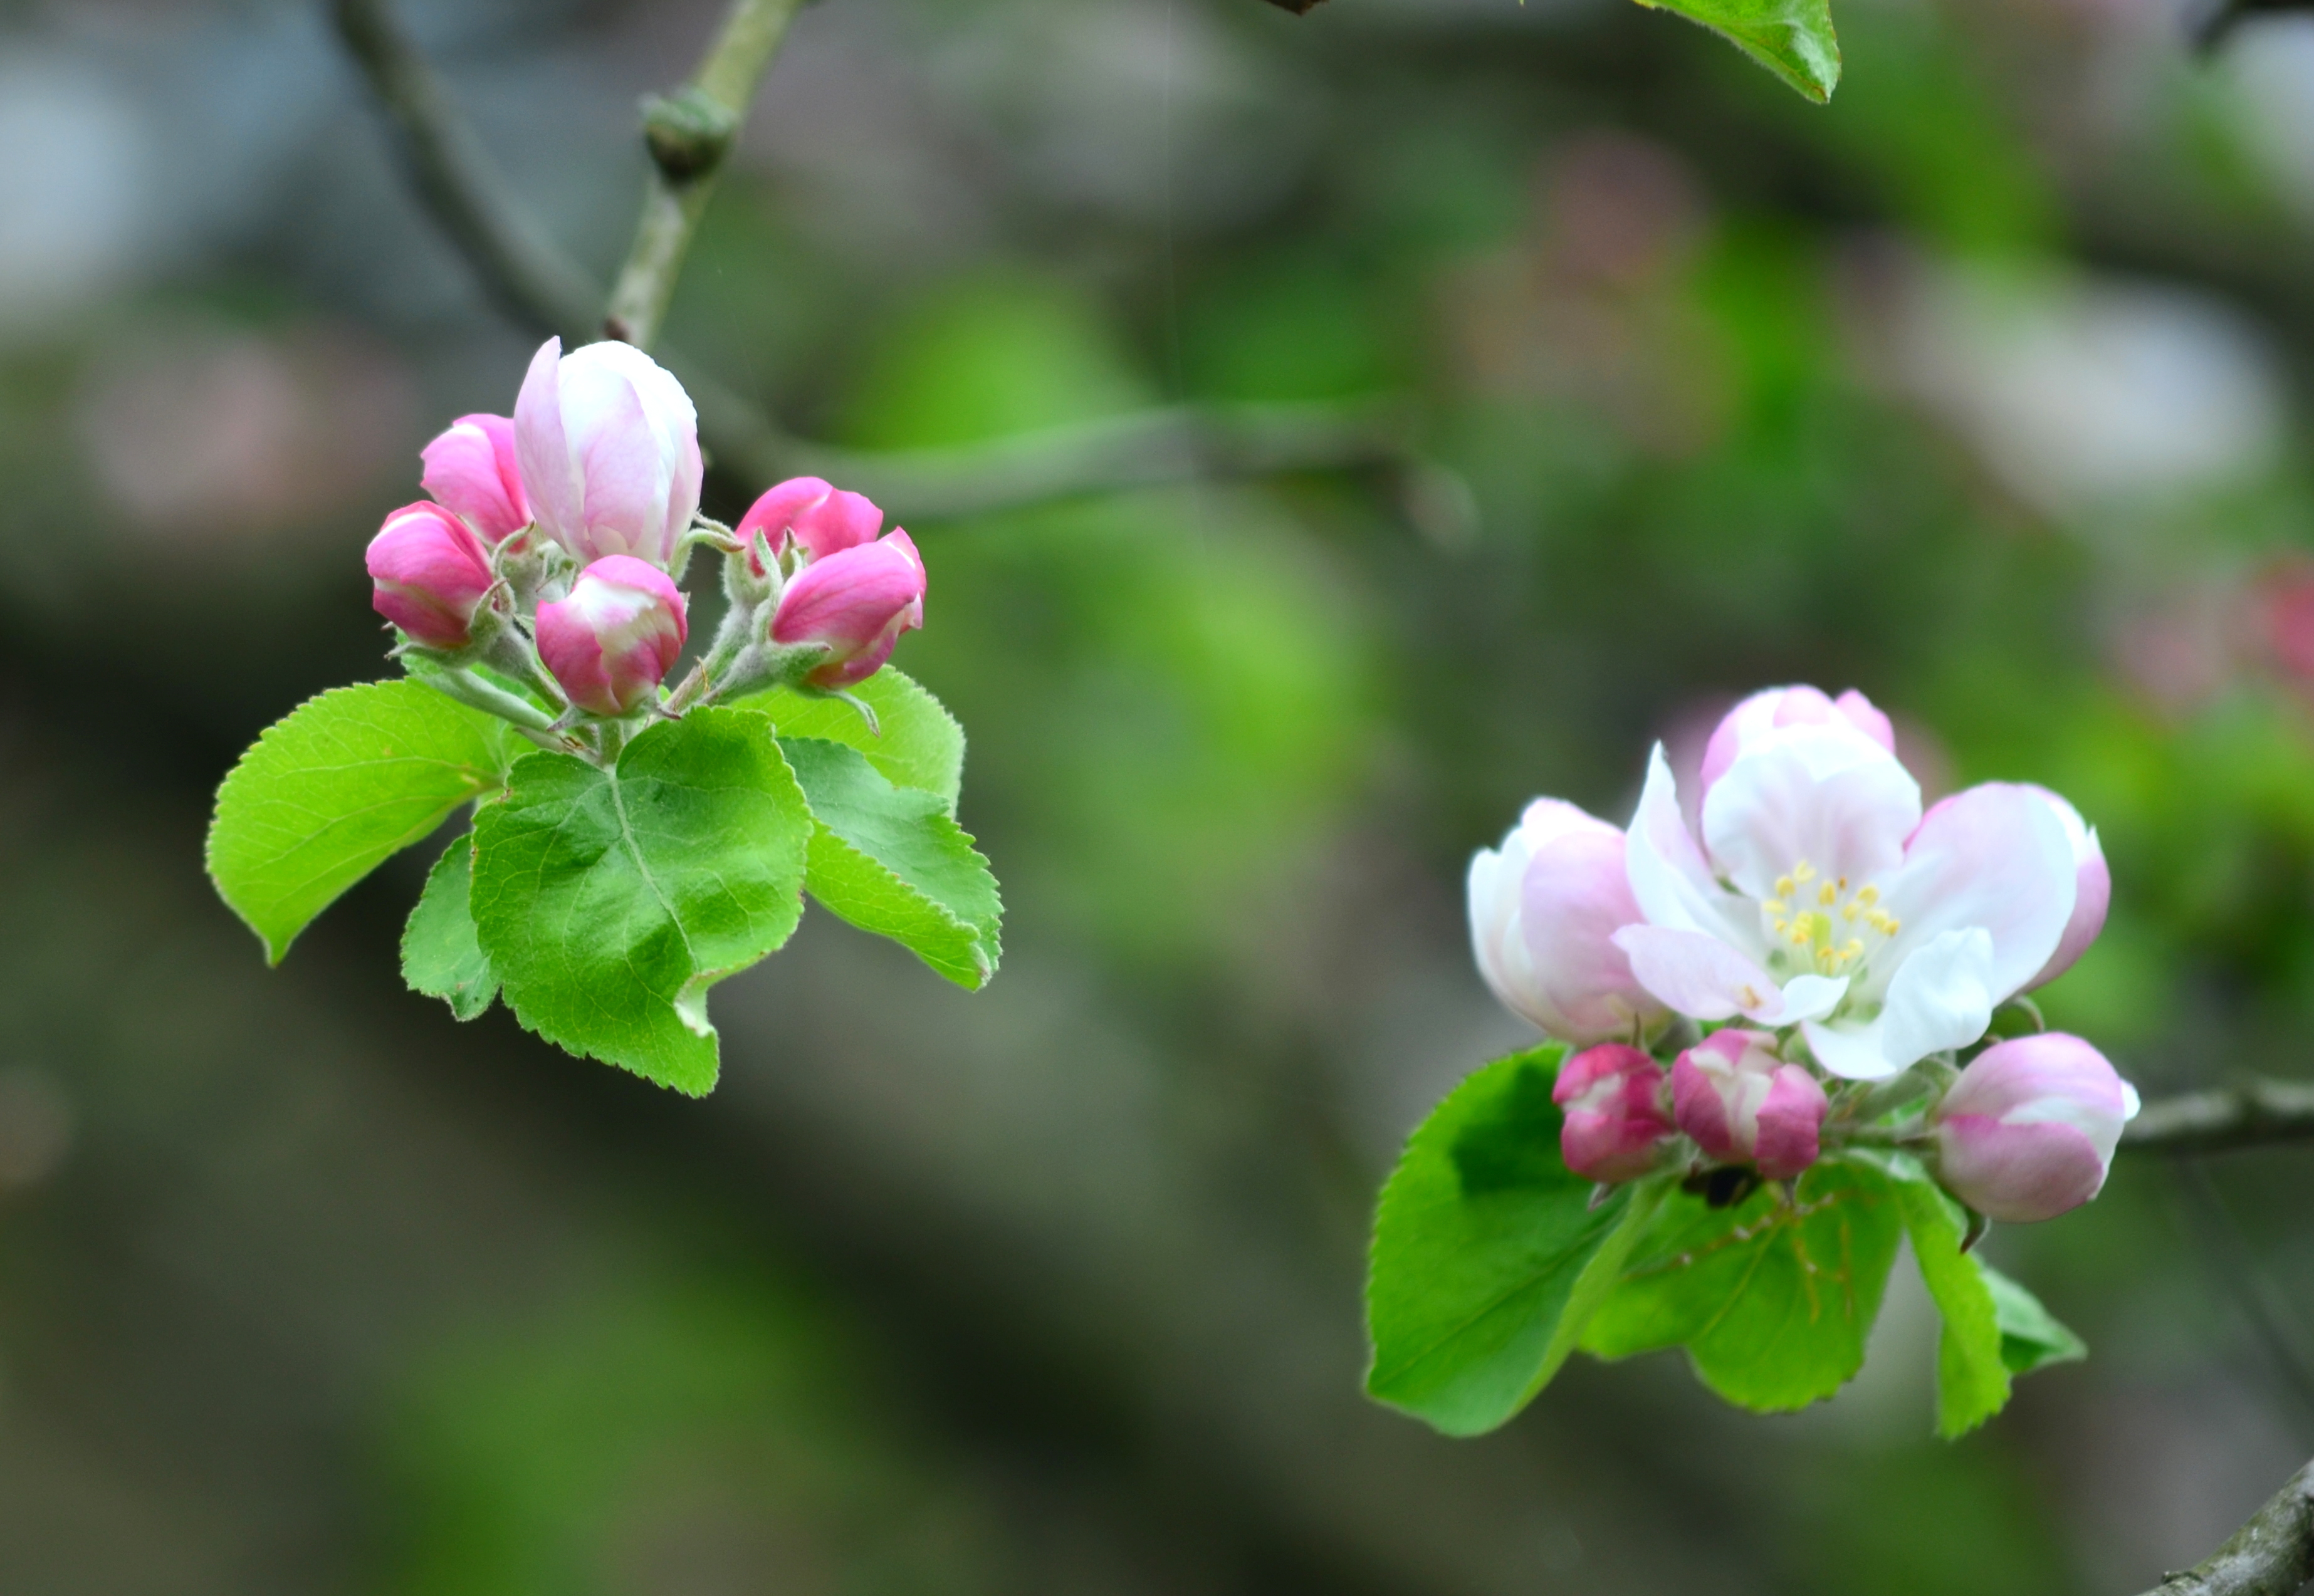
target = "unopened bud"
x: 856, y: 603
x: 805, y: 512
x: 1615, y: 1122
x: 614, y: 639
x: 1743, y: 1104
x: 428, y: 572
x: 471, y: 471
x: 609, y: 445
x: 2029, y: 1129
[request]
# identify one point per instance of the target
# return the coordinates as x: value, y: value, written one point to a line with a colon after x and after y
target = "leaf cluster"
x: 1492, y: 1263
x: 603, y: 902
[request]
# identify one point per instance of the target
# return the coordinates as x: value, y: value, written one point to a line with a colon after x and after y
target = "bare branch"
x: 689, y: 134
x: 2271, y: 1555
x: 2251, y: 1115
x: 523, y: 273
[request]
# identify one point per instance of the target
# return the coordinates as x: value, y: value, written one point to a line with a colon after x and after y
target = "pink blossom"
x: 807, y: 513
x: 1743, y: 1104
x: 615, y: 638
x: 1614, y: 1123
x: 428, y: 572
x: 2092, y: 889
x: 1818, y: 894
x: 2029, y: 1129
x: 470, y: 471
x: 1544, y: 911
x: 857, y: 601
x: 609, y: 446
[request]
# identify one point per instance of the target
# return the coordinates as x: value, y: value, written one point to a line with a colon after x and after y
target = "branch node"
x: 687, y: 133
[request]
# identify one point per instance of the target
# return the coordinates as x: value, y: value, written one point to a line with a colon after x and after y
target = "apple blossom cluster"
x: 539, y: 581
x: 1816, y: 964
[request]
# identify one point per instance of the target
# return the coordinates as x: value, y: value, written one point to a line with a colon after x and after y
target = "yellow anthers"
x: 1804, y: 871
x: 1867, y: 895
x: 1823, y: 933
x: 1827, y: 894
x: 1784, y: 886
x: 1776, y: 906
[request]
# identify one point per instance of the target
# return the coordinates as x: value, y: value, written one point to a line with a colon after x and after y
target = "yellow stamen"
x: 1827, y: 894
x: 1804, y: 871
x: 1784, y: 887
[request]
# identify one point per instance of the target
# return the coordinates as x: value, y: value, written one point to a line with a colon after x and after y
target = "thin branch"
x: 2273, y: 1554
x: 2256, y: 1112
x: 521, y: 271
x: 689, y: 134
x: 526, y: 277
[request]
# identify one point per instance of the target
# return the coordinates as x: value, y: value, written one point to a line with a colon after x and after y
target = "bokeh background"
x: 1983, y: 390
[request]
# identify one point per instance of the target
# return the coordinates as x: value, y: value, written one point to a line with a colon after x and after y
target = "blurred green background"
x: 1980, y: 391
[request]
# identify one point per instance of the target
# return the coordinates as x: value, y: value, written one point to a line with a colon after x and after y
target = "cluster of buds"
x: 1817, y: 964
x: 541, y: 578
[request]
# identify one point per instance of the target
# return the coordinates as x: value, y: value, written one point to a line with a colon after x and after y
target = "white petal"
x: 1830, y: 795
x: 1669, y: 877
x: 1941, y: 997
x: 1852, y: 1052
x: 1810, y: 997
x: 1995, y: 857
x: 1699, y: 976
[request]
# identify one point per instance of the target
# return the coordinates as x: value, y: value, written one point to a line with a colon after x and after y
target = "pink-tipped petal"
x: 856, y: 602
x: 1777, y: 707
x: 1791, y: 1124
x: 1828, y: 797
x: 1615, y: 1123
x: 1699, y: 976
x: 2029, y: 1129
x: 428, y: 572
x: 614, y: 639
x: 1994, y: 856
x: 471, y: 470
x: 2092, y: 890
x: 550, y: 479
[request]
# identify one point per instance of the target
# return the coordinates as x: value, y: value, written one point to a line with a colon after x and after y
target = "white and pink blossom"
x: 1818, y: 894
x: 1544, y: 911
x: 1743, y: 1104
x: 1615, y: 1125
x: 612, y: 642
x: 609, y: 448
x: 2029, y: 1129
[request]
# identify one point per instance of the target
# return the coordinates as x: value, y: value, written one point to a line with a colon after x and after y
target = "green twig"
x: 2273, y: 1554
x: 2254, y: 1114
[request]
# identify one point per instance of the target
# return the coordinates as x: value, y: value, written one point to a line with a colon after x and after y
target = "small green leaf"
x: 1972, y: 1379
x: 440, y: 956
x: 2030, y: 1336
x: 1772, y: 1300
x: 1487, y: 1254
x: 889, y: 860
x: 921, y: 745
x: 1792, y: 39
x: 609, y: 902
x: 341, y: 784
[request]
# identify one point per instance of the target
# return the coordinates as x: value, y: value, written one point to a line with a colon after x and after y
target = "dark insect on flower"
x: 1723, y: 1187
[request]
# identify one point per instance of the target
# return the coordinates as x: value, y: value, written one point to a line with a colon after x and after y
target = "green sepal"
x: 889, y: 860
x: 1489, y: 1254
x: 1792, y: 39
x: 333, y: 790
x: 609, y: 901
x: 1772, y: 1298
x: 441, y: 955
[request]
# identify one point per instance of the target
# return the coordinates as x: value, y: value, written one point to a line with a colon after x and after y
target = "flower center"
x: 1823, y: 924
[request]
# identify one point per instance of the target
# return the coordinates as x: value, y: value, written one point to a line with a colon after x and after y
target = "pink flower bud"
x: 428, y: 572
x: 616, y: 637
x: 1777, y: 707
x: 2092, y: 890
x: 609, y: 446
x: 1743, y: 1104
x: 1614, y: 1096
x: 1545, y: 911
x: 470, y: 471
x: 2028, y: 1130
x: 805, y: 512
x: 858, y: 601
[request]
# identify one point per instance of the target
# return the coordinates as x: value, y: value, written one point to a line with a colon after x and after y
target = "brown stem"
x: 2273, y: 1554
x: 2256, y: 1112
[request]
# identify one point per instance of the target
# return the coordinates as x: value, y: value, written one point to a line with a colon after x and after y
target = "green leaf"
x: 1487, y: 1254
x: 889, y: 860
x: 1972, y: 1379
x: 1773, y: 1301
x: 1792, y: 39
x: 921, y: 745
x: 2030, y: 1336
x: 440, y: 956
x: 332, y: 791
x: 609, y: 902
